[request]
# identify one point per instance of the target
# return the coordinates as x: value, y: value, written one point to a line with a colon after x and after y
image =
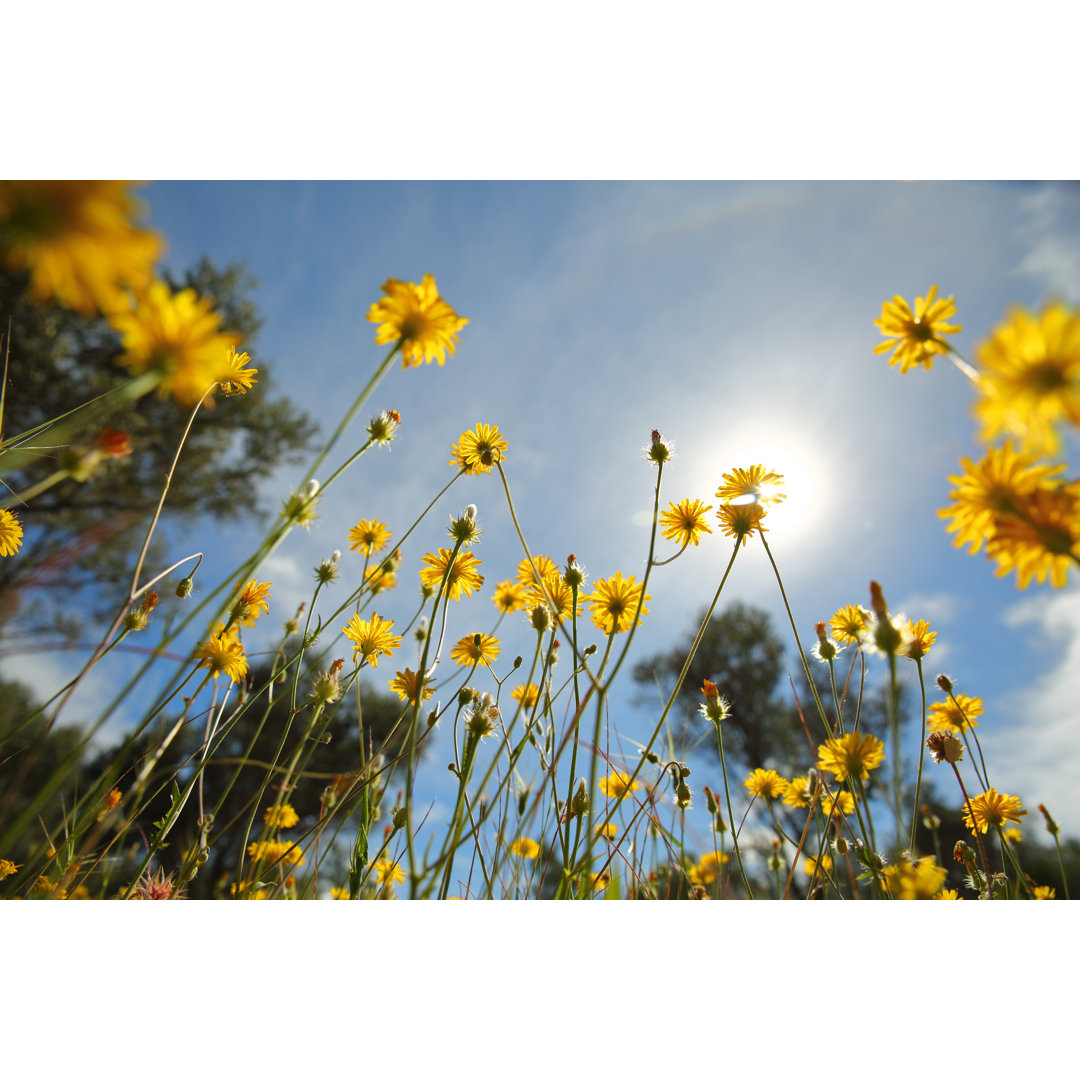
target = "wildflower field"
x: 430, y: 722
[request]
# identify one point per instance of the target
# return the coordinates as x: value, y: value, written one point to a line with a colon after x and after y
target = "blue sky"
x: 735, y: 317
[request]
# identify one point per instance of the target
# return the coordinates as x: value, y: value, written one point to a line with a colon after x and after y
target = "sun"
x: 783, y: 449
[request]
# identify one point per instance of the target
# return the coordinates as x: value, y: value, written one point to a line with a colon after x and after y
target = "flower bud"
x: 682, y: 796
x: 184, y: 588
x: 945, y: 684
x: 540, y: 618
x: 400, y: 817
x: 1052, y: 826
x: 580, y: 802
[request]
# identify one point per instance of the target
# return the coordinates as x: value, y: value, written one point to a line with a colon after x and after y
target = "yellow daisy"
x: 996, y: 486
x: 459, y: 571
x: 509, y: 597
x: 854, y: 754
x: 991, y: 810
x: 476, y: 649
x: 368, y: 536
x: 741, y: 519
x: 418, y: 318
x: 921, y: 880
x: 408, y: 684
x: 1042, y: 539
x: 280, y: 817
x: 386, y: 870
x: 526, y: 693
x: 251, y: 603
x: 524, y: 848
x: 614, y: 602
x: 957, y: 713
x: 222, y: 653
x: 765, y: 782
x: 684, y: 522
x: 371, y: 637
x: 616, y: 785
x: 480, y: 449
x: 76, y: 239
x: 177, y: 336
x: 10, y: 533
x: 755, y: 484
x: 236, y: 377
x: 1030, y: 382
x: 917, y: 337
x: 848, y: 624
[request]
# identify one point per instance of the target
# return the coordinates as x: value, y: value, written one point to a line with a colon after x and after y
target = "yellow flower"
x: 991, y: 810
x: 843, y: 801
x: 606, y: 831
x: 526, y: 693
x: 223, y: 653
x: 918, y: 637
x: 251, y: 603
x: 997, y: 485
x: 280, y: 817
x: 562, y: 597
x: 76, y: 239
x: 371, y: 637
x: 708, y: 867
x: 338, y: 892
x: 271, y: 851
x: 756, y: 484
x: 459, y: 571
x: 7, y: 868
x: 1043, y: 541
x: 177, y: 336
x: 379, y: 578
x: 418, y: 318
x: 920, y: 880
x: 524, y: 848
x: 1030, y: 381
x: 368, y: 536
x: 385, y: 871
x: 854, y: 754
x: 847, y: 624
x: 798, y: 793
x: 476, y: 649
x: 545, y: 568
x: 10, y: 533
x: 684, y: 522
x: 740, y: 520
x: 509, y: 597
x: 236, y: 377
x: 407, y: 685
x: 810, y: 865
x: 479, y: 450
x: 245, y: 893
x: 765, y: 782
x: 614, y: 602
x: 947, y: 894
x: 917, y: 337
x: 616, y: 785
x: 957, y: 713
x: 1042, y: 892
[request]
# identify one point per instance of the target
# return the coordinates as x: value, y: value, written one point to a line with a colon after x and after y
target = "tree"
x: 742, y: 655
x: 80, y: 536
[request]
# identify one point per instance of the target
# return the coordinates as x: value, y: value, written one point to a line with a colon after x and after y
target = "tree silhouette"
x: 80, y: 536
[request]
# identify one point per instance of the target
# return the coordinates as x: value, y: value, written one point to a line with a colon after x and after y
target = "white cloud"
x: 1037, y: 755
x: 1052, y: 257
